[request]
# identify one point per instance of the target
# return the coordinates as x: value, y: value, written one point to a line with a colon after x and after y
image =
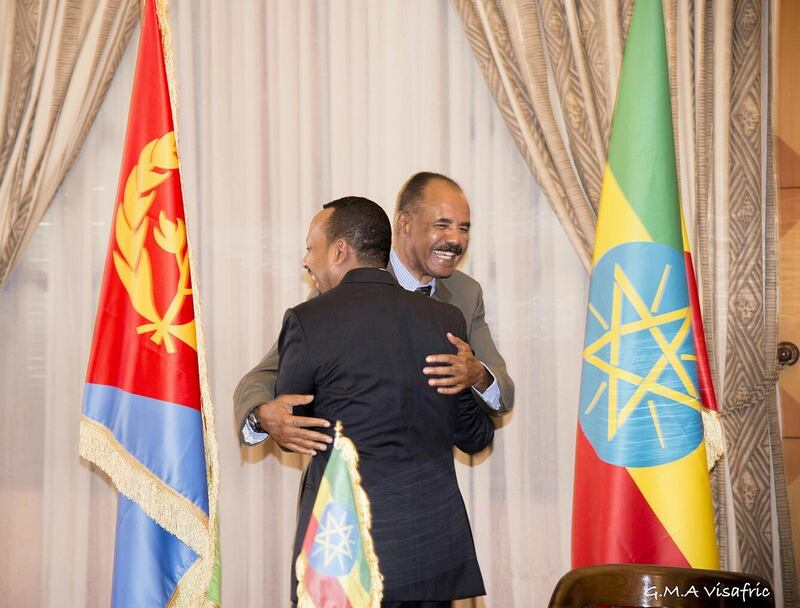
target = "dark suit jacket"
x: 360, y: 349
x: 460, y: 290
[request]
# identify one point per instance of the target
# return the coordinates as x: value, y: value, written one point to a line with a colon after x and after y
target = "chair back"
x: 646, y: 586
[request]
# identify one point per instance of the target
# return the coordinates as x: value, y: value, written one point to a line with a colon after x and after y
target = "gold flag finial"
x: 339, y: 429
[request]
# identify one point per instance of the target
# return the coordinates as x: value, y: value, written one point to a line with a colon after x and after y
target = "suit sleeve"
x: 295, y: 370
x: 481, y: 342
x: 256, y: 387
x: 473, y: 429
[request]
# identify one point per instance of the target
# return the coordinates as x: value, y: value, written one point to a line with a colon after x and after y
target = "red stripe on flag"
x: 611, y: 520
x: 311, y: 532
x: 707, y: 395
x: 325, y: 591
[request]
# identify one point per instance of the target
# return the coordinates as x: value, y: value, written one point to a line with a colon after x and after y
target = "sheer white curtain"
x: 284, y: 106
x: 56, y: 516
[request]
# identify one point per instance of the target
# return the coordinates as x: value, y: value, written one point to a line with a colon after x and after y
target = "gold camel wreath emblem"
x: 157, y: 160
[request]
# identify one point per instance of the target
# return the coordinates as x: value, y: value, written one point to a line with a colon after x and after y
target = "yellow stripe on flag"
x: 356, y: 593
x: 680, y: 496
x: 323, y: 498
x: 618, y: 223
x: 685, y: 235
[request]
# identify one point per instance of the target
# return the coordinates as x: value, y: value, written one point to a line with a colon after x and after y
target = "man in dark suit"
x: 432, y: 222
x: 351, y: 348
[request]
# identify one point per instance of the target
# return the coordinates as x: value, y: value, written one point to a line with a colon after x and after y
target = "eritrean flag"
x: 642, y: 492
x: 337, y: 566
x: 144, y: 421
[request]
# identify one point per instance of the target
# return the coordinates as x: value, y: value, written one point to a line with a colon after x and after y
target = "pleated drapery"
x: 552, y: 68
x: 57, y: 59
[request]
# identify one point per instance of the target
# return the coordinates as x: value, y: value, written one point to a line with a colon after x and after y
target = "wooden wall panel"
x: 787, y: 147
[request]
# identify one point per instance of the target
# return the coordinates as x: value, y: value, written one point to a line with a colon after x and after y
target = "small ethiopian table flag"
x: 337, y: 566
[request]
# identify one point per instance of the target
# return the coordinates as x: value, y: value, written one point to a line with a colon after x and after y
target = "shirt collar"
x: 405, y: 277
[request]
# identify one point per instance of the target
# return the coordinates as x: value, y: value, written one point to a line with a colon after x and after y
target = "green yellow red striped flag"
x: 337, y: 566
x: 642, y: 492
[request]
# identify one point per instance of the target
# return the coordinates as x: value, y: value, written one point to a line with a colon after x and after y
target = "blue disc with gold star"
x: 337, y: 541
x: 639, y: 402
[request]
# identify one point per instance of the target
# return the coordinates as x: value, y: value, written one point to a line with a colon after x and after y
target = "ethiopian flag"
x: 642, y: 492
x: 145, y: 422
x: 337, y: 566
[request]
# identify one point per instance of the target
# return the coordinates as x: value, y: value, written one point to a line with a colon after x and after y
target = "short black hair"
x: 410, y: 194
x: 364, y: 225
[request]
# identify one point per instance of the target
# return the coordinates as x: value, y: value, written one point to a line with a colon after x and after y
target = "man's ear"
x: 403, y: 221
x: 341, y: 251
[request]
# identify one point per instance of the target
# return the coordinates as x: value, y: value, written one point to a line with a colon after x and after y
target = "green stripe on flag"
x: 214, y: 590
x: 338, y: 476
x: 641, y: 150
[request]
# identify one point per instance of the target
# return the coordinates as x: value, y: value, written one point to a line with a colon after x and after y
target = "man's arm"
x: 480, y: 340
x: 256, y: 387
x: 474, y: 429
x: 256, y: 391
x: 477, y: 365
x: 296, y: 370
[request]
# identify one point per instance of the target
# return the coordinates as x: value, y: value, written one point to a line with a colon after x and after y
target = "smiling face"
x: 320, y: 258
x: 434, y: 235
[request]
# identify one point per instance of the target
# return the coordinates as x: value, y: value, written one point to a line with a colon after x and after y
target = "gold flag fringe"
x: 303, y: 599
x: 184, y: 595
x: 364, y: 512
x: 199, y: 586
x: 712, y: 430
x: 169, y: 509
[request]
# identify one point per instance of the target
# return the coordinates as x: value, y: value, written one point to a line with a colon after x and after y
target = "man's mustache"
x: 456, y: 249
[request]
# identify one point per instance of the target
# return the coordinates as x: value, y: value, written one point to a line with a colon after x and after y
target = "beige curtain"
x: 723, y: 82
x: 552, y: 67
x: 526, y: 48
x: 57, y: 59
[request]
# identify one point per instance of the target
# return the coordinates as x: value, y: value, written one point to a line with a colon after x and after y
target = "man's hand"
x: 459, y: 371
x: 291, y: 432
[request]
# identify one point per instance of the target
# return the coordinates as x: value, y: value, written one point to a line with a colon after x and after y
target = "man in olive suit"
x: 431, y: 234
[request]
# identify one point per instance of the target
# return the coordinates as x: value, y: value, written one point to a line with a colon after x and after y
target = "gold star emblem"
x: 652, y: 321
